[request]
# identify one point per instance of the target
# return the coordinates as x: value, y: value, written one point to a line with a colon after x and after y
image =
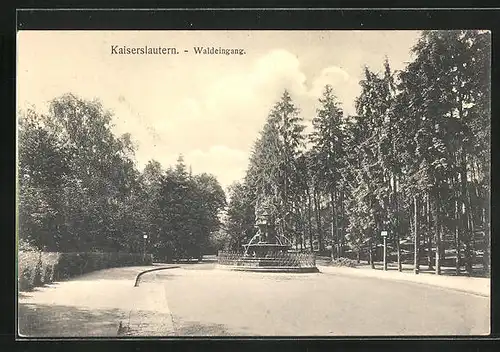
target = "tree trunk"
x: 299, y: 224
x: 335, y: 240
x: 303, y: 225
x: 437, y: 232
x: 370, y: 254
x: 341, y: 225
x: 469, y: 246
x: 429, y: 233
x: 457, y: 239
x: 486, y: 228
x: 398, y: 229
x: 309, y: 221
x: 332, y: 227
x: 317, y: 205
x: 473, y: 230
x: 416, y: 238
x: 332, y: 250
x: 468, y: 224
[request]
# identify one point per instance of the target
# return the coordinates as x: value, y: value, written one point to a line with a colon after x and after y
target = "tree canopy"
x: 80, y: 189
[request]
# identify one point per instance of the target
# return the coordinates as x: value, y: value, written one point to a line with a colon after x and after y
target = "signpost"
x: 384, y: 235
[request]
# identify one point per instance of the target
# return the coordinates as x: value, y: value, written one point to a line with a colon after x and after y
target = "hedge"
x: 40, y: 268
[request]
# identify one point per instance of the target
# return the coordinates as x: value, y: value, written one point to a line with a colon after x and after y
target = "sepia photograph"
x: 183, y: 183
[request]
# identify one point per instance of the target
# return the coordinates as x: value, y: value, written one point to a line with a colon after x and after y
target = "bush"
x: 38, y: 268
x: 73, y: 264
x: 37, y: 274
x: 27, y: 266
x: 344, y: 262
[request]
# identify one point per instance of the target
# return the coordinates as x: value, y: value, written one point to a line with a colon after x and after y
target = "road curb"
x: 360, y: 274
x: 137, y: 279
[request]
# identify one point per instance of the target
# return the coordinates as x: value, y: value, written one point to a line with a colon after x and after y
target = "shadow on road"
x: 36, y: 320
x: 197, y: 328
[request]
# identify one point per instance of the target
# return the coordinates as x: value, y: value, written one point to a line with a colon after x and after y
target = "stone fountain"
x: 267, y: 251
x: 265, y: 243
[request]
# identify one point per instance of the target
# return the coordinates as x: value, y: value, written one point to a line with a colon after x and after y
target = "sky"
x: 209, y: 108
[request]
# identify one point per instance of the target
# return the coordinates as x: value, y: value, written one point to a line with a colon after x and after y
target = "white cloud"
x: 216, y: 128
x: 345, y: 87
x: 227, y: 164
x: 332, y: 75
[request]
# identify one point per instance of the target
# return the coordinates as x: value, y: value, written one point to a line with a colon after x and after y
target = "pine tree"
x: 273, y: 171
x: 328, y: 146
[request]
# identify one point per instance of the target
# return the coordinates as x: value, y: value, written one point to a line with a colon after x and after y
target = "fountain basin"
x: 270, y: 269
x: 269, y: 262
x: 263, y: 250
x: 266, y: 251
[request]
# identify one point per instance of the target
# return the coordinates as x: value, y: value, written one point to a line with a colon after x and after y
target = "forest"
x: 413, y: 161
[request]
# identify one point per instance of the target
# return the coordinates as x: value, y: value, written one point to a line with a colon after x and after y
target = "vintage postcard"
x: 253, y: 183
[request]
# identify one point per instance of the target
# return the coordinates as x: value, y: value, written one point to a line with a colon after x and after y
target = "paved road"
x: 214, y: 302
x: 198, y: 300
x: 94, y: 305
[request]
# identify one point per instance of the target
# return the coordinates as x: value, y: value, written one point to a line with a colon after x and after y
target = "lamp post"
x: 145, y: 237
x: 384, y: 236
